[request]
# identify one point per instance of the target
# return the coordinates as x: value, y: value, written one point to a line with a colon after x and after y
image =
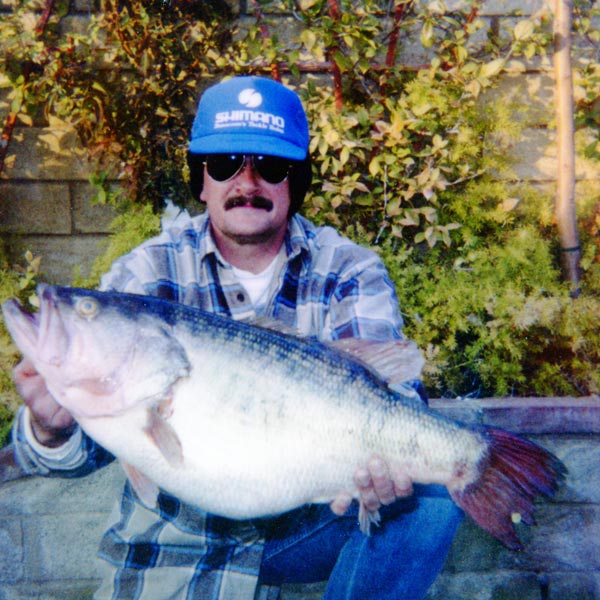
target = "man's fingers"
x: 403, y: 485
x: 341, y: 503
x: 364, y: 483
x: 383, y: 485
x: 377, y: 485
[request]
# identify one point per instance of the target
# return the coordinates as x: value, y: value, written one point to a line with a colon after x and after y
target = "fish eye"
x: 87, y: 307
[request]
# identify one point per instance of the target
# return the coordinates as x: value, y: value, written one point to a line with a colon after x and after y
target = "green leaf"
x: 492, y: 68
x: 524, y: 30
x: 375, y: 166
x: 25, y: 119
x: 427, y: 37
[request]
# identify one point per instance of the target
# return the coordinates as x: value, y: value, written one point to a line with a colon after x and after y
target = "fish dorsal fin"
x: 394, y: 361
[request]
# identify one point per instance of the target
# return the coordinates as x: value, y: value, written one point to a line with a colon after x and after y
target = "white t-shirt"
x: 257, y: 284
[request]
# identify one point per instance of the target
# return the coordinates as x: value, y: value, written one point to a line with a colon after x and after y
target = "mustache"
x: 253, y: 201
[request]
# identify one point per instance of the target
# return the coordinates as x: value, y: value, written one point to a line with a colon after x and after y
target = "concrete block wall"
x: 45, y: 202
x: 44, y: 191
x: 50, y: 528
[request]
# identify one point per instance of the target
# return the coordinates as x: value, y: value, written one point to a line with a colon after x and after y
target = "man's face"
x: 245, y: 208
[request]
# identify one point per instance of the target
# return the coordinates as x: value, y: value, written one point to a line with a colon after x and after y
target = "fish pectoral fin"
x: 144, y: 487
x: 164, y: 437
x: 367, y: 517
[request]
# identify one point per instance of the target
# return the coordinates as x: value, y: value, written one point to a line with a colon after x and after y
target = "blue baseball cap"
x: 250, y: 115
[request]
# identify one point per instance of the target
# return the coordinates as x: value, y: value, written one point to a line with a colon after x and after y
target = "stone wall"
x: 50, y: 528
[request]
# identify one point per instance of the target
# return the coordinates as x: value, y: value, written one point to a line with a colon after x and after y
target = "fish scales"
x: 244, y: 421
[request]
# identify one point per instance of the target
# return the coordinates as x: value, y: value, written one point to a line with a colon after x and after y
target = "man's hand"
x: 377, y: 486
x: 52, y: 425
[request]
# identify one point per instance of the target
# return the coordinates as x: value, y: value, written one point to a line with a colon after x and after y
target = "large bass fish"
x: 244, y: 421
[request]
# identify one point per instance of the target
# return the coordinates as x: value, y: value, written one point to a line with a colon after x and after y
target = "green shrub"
x: 493, y: 314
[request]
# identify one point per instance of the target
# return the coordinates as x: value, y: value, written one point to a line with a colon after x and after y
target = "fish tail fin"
x: 513, y: 473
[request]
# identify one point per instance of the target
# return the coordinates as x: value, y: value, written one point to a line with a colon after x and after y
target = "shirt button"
x: 240, y: 297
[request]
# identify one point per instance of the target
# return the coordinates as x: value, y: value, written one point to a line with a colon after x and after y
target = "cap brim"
x: 246, y: 144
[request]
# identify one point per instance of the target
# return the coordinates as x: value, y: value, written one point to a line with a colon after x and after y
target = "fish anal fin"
x: 394, y: 361
x: 367, y: 518
x: 512, y: 474
x: 144, y: 487
x: 163, y: 435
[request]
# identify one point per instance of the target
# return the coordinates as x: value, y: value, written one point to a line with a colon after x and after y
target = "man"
x: 252, y: 255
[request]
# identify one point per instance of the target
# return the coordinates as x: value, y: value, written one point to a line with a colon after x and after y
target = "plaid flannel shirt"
x: 328, y: 288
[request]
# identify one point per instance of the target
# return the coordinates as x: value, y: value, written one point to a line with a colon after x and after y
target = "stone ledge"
x: 527, y: 415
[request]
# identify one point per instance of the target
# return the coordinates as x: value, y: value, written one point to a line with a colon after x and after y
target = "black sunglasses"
x: 222, y: 167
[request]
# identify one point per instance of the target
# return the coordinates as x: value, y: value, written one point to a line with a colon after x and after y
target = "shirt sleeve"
x: 363, y: 303
x: 128, y: 273
x: 78, y: 456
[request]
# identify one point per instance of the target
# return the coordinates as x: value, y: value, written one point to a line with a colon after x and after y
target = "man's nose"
x: 247, y: 177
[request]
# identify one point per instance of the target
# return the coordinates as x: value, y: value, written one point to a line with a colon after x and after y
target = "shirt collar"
x: 296, y: 239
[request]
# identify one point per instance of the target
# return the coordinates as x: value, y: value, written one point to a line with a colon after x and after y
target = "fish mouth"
x: 252, y: 202
x: 22, y: 325
x: 36, y: 334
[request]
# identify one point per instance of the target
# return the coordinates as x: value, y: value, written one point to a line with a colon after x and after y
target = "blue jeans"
x: 399, y: 560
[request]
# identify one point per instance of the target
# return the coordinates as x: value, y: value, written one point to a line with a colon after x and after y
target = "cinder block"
x: 30, y: 208
x: 535, y: 156
x: 573, y: 586
x: 474, y: 550
x: 89, y: 217
x: 11, y: 550
x: 48, y: 590
x: 37, y: 5
x: 86, y: 6
x: 581, y: 456
x: 507, y: 585
x: 534, y: 92
x: 306, y: 591
x: 94, y: 493
x: 485, y: 586
x: 62, y: 548
x: 500, y: 7
x: 61, y: 256
x: 47, y: 153
x: 566, y: 538
x: 77, y: 24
